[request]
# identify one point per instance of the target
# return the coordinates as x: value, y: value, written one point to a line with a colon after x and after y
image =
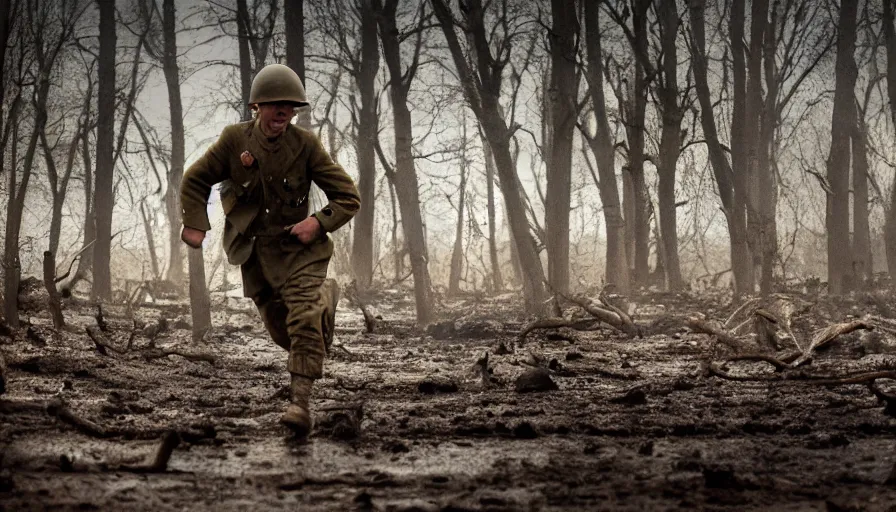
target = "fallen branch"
x: 60, y: 410
x: 543, y: 323
x: 704, y: 327
x: 827, y: 334
x: 611, y: 316
x: 779, y: 364
x: 103, y: 345
x: 714, y: 369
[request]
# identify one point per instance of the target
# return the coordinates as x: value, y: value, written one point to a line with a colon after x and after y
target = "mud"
x: 415, y: 420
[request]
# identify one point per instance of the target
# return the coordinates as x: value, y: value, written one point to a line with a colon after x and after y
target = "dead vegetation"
x: 610, y: 379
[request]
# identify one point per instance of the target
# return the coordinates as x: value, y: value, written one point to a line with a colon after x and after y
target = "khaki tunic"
x: 283, y: 276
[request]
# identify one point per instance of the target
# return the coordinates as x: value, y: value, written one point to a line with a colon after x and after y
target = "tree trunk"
x: 406, y: 184
x: 457, y: 255
x: 242, y: 30
x: 843, y: 121
x: 723, y: 173
x: 890, y: 39
x: 635, y: 131
x: 742, y: 260
x: 563, y: 96
x: 176, y: 169
x: 85, y: 263
x: 617, y: 270
x: 199, y: 299
x: 294, y: 18
x: 5, y: 8
x: 105, y: 172
x: 150, y: 241
x: 757, y: 162
x: 53, y: 301
x: 368, y: 128
x: 768, y: 189
x: 483, y: 95
x: 497, y: 278
x: 670, y: 144
x: 862, y: 266
x: 11, y: 265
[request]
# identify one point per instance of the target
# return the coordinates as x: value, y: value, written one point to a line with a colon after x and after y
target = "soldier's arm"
x: 344, y: 200
x: 198, y: 180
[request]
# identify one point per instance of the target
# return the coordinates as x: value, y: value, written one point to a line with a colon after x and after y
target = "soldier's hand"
x: 192, y: 237
x: 306, y: 231
x: 247, y: 159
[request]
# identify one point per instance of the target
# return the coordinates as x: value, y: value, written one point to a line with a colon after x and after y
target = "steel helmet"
x: 276, y: 82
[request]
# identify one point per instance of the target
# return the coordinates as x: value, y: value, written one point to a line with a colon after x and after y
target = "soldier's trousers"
x: 284, y: 278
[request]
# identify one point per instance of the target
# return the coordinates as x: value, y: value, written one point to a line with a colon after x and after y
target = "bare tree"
x: 601, y: 143
x: 482, y: 89
x: 406, y: 184
x: 890, y: 41
x: 672, y: 111
x: 563, y: 100
x: 48, y: 27
x: 843, y: 122
x: 633, y: 106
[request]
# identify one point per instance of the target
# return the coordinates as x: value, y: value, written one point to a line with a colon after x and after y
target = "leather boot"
x: 298, y: 413
x: 330, y: 296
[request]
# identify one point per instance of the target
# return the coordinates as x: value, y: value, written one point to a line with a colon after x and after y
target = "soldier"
x: 265, y: 167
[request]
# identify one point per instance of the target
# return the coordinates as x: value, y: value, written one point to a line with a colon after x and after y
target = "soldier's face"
x: 273, y: 117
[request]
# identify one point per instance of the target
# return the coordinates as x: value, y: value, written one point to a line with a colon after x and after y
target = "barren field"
x: 144, y: 419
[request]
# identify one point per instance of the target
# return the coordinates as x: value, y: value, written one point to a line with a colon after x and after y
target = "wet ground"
x: 406, y: 420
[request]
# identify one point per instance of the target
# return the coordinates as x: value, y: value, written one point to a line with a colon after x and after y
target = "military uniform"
x: 283, y: 276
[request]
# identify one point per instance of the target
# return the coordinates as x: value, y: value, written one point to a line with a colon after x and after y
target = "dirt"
x: 411, y: 419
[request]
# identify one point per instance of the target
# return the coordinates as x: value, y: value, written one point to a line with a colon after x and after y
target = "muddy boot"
x: 330, y: 297
x: 298, y: 414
